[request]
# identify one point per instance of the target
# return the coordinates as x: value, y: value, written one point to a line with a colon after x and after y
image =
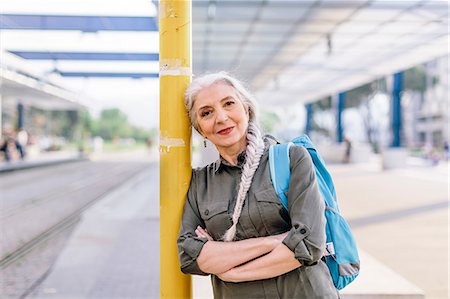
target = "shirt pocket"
x: 216, y: 218
x: 273, y: 215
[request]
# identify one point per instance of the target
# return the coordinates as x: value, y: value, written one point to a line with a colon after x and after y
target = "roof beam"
x: 81, y: 23
x: 46, y: 55
x: 107, y: 75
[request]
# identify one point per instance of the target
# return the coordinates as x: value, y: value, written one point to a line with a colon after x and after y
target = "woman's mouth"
x: 225, y: 131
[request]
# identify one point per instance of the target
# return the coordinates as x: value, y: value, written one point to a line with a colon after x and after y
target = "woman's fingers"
x: 279, y: 237
x: 199, y: 233
x: 203, y: 233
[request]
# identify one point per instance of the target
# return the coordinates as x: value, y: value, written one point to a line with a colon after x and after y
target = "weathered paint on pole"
x: 175, y: 143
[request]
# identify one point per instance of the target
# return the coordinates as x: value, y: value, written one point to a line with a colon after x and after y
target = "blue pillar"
x: 20, y: 116
x: 309, y: 110
x: 396, y: 112
x: 340, y: 109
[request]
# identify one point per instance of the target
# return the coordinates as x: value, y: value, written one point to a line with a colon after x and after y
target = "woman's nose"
x: 222, y: 115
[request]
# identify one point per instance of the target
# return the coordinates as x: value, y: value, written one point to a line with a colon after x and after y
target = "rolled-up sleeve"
x: 189, y: 245
x: 306, y: 209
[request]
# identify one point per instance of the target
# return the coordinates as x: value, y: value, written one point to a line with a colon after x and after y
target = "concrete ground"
x: 400, y: 222
x: 114, y: 251
x: 400, y: 217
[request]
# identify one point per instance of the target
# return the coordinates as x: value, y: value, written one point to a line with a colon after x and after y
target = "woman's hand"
x: 217, y: 257
x: 280, y: 237
x: 203, y: 233
x: 278, y: 262
x: 229, y: 276
x: 276, y: 240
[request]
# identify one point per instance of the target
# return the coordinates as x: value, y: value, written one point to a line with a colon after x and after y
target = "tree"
x: 268, y: 120
x: 362, y: 97
x: 113, y: 123
x: 415, y: 79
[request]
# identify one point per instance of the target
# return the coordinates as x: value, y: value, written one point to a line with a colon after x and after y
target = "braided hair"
x: 255, y: 143
x: 254, y: 151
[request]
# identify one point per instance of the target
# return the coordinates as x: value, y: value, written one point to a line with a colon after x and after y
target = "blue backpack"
x: 341, y: 254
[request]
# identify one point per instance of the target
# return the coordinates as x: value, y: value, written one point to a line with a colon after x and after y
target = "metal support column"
x: 396, y: 112
x: 1, y: 119
x: 340, y: 109
x: 20, y: 112
x: 309, y: 111
x: 175, y: 139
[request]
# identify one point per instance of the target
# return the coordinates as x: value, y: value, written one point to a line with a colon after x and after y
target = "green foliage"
x: 415, y: 79
x: 113, y: 124
x: 362, y: 94
x: 354, y: 97
x: 84, y: 125
x: 85, y: 121
x: 56, y: 123
x: 323, y: 104
x: 77, y: 126
x: 268, y: 121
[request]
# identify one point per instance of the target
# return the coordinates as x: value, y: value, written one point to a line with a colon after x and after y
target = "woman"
x: 234, y: 227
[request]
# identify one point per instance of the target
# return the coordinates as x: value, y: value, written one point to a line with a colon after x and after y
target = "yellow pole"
x: 175, y: 142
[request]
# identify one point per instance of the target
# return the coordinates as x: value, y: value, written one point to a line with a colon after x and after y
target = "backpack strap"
x: 323, y: 176
x: 280, y: 172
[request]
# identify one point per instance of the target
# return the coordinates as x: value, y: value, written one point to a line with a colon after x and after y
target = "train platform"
x: 114, y: 250
x: 399, y: 218
x: 43, y: 159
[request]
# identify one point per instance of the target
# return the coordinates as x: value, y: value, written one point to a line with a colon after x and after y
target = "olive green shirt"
x: 210, y: 202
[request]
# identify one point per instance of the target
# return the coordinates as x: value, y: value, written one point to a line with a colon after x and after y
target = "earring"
x: 204, y: 142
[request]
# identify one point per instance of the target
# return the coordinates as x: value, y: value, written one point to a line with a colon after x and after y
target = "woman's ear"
x: 197, y: 128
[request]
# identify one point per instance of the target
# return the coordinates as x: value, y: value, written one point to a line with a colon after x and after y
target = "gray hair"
x: 205, y: 81
x: 255, y: 143
x: 254, y: 152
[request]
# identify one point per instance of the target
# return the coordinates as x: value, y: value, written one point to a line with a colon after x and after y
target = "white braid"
x: 254, y: 151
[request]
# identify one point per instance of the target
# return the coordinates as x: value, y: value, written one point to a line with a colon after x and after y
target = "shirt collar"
x: 241, y: 157
x: 222, y: 162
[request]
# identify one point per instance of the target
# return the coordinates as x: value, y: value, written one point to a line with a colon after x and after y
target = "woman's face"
x: 221, y: 116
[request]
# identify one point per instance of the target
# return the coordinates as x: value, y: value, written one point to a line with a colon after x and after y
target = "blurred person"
x: 149, y: 143
x: 430, y: 154
x: 434, y: 157
x: 11, y: 148
x: 348, y: 149
x: 446, y: 151
x: 22, y: 139
x: 234, y: 226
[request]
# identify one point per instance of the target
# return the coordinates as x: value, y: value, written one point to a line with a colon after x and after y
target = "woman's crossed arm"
x: 279, y: 261
x: 220, y: 257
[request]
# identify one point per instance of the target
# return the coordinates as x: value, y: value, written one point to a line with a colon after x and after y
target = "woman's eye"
x: 205, y: 113
x: 229, y: 103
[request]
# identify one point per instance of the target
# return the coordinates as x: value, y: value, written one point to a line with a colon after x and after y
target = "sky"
x: 138, y: 98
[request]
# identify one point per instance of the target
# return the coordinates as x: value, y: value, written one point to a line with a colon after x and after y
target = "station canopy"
x: 288, y: 51
x: 98, y: 53
x: 291, y: 51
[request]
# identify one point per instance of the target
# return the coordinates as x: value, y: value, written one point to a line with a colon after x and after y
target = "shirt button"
x: 303, y: 231
x: 206, y: 212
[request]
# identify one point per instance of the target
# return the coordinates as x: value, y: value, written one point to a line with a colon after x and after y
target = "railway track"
x: 35, y: 228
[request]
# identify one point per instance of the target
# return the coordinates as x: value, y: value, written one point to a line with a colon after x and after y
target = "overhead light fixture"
x: 329, y: 44
x: 212, y: 10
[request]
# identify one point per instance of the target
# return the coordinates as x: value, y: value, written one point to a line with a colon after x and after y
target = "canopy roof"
x: 286, y: 50
x: 304, y: 50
